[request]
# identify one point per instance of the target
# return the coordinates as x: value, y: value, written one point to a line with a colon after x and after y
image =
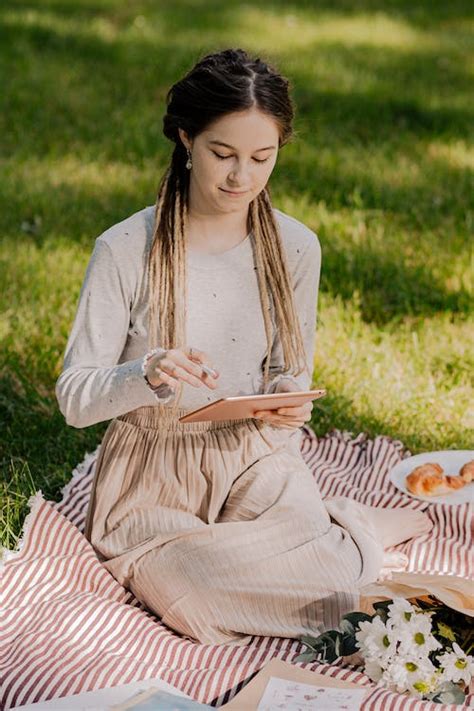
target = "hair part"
x: 219, y: 84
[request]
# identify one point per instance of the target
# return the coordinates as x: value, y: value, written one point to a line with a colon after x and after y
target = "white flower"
x: 457, y: 666
x: 375, y: 641
x: 426, y: 682
x: 417, y: 675
x: 373, y: 669
x: 415, y: 636
x: 400, y: 612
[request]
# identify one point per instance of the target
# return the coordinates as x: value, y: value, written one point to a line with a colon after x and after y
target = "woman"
x: 217, y: 527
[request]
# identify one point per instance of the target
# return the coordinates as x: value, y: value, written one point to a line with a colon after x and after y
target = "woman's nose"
x: 239, y: 174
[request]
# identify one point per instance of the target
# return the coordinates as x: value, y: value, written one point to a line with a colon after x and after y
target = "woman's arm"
x: 305, y: 289
x: 93, y: 387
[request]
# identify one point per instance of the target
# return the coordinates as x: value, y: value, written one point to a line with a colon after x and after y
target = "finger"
x: 209, y: 378
x: 273, y: 415
x: 194, y: 354
x: 291, y: 411
x: 166, y: 378
x: 296, y: 411
x: 169, y: 366
x: 274, y: 420
x: 192, y: 367
x: 286, y: 425
x: 181, y: 360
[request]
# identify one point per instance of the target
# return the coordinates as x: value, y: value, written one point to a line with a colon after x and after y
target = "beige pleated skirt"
x: 220, y: 530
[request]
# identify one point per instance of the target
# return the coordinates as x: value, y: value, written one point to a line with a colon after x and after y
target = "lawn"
x: 381, y: 167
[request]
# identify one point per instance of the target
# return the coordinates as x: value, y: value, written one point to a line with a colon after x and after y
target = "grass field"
x: 381, y: 167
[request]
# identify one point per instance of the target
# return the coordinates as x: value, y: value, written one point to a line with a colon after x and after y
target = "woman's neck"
x: 216, y: 233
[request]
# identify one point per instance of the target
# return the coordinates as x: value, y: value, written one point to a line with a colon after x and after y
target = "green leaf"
x: 306, y: 657
x: 349, y: 645
x: 381, y: 609
x: 355, y: 618
x: 347, y: 627
x: 448, y: 693
x: 329, y: 655
x: 331, y: 649
x: 311, y: 642
x: 446, y: 631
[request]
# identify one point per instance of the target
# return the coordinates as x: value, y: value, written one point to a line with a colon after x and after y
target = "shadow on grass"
x: 387, y: 288
x: 128, y: 73
x: 35, y: 433
x: 423, y: 13
x: 335, y: 411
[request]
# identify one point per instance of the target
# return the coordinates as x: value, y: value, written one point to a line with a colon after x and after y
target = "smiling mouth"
x: 234, y: 192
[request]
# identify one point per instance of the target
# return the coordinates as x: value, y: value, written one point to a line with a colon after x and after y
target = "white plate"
x: 451, y: 460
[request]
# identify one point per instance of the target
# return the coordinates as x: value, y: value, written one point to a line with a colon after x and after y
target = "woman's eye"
x: 218, y: 155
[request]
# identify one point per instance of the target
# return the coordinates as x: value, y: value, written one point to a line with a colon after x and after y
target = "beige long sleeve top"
x: 102, y: 375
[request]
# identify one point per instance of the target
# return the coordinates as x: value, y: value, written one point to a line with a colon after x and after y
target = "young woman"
x: 217, y: 527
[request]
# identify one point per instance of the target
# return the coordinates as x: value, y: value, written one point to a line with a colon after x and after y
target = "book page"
x: 295, y: 696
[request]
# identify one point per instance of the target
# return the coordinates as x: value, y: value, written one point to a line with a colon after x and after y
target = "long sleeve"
x: 94, y: 386
x: 306, y: 278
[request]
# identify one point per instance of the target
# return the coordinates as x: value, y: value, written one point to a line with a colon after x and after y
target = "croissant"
x: 429, y: 480
x: 467, y: 471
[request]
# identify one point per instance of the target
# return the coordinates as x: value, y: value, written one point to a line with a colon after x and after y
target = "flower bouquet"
x: 419, y: 647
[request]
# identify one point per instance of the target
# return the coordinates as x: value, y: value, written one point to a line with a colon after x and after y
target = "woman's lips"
x: 233, y: 193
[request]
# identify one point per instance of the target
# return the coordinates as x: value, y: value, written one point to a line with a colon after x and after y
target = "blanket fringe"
x: 77, y: 473
x: 34, y: 502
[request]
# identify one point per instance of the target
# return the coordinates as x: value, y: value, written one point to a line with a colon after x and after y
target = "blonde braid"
x: 276, y: 285
x: 262, y: 278
x: 168, y: 258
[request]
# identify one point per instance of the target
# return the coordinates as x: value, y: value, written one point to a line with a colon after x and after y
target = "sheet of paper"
x: 295, y: 696
x: 159, y: 700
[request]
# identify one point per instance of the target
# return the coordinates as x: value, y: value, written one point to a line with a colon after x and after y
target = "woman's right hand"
x: 181, y: 364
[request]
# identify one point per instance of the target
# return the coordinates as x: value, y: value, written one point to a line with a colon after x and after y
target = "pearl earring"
x: 189, y: 163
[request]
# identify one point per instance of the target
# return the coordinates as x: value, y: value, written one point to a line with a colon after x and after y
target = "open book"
x: 278, y: 685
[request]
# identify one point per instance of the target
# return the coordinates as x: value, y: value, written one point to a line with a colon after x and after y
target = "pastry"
x: 429, y: 480
x: 467, y: 471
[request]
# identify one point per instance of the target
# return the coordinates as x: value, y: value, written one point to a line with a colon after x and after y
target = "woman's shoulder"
x: 129, y: 238
x: 298, y: 239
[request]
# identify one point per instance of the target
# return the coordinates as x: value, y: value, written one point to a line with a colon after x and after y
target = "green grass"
x: 381, y: 168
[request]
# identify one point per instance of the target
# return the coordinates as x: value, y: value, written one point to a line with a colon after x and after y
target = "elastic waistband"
x: 151, y: 418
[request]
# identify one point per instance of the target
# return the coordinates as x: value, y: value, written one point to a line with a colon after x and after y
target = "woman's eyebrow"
x: 220, y: 143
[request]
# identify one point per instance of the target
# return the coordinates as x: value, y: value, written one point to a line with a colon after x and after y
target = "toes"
x: 394, y: 559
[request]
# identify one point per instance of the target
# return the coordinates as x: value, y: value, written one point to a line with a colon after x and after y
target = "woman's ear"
x: 184, y: 138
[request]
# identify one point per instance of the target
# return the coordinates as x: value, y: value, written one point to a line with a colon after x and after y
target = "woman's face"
x: 232, y: 161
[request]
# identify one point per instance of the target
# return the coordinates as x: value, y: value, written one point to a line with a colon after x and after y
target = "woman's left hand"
x: 291, y: 417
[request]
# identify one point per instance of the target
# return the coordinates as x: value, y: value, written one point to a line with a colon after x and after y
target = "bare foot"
x: 398, y: 525
x: 393, y: 560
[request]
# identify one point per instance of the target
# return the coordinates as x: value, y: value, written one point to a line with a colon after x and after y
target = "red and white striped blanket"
x: 69, y: 626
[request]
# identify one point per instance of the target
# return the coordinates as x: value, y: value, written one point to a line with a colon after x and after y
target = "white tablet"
x: 245, y: 406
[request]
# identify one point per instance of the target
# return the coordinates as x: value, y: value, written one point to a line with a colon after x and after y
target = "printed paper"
x: 294, y: 696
